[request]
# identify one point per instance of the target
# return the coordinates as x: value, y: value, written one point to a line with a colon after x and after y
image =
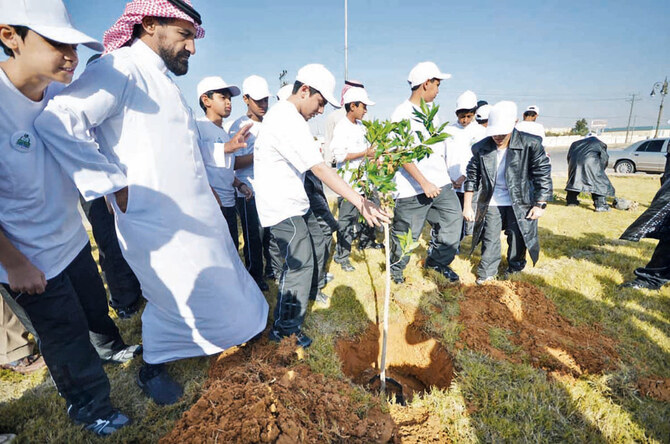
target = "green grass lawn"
x: 582, y: 262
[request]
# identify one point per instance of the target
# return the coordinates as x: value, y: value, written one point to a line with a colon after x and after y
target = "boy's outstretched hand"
x: 372, y: 214
x: 239, y: 140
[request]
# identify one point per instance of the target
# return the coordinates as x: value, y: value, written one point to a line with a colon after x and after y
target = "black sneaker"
x: 127, y: 312
x: 639, y: 284
x: 158, y: 385
x: 603, y: 209
x: 371, y: 246
x: 398, y: 279
x: 124, y: 355
x: 106, y: 426
x: 346, y: 266
x: 262, y: 285
x: 302, y: 339
x: 447, y: 272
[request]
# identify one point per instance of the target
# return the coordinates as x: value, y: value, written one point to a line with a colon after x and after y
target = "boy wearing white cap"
x: 214, y: 97
x: 256, y: 94
x: 512, y: 174
x: 424, y: 190
x: 45, y: 255
x: 529, y: 124
x: 350, y: 147
x: 465, y: 132
x: 482, y: 115
x: 285, y: 149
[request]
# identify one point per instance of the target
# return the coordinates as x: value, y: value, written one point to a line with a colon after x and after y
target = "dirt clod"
x: 655, y: 388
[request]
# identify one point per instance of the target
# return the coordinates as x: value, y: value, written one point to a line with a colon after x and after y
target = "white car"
x: 648, y: 156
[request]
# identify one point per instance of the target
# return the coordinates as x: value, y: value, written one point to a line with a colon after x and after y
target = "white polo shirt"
x: 348, y: 138
x: 38, y: 201
x: 245, y: 174
x: 284, y: 150
x: 530, y: 127
x: 433, y: 167
x: 220, y: 178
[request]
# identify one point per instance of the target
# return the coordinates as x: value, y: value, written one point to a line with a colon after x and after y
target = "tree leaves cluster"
x: 394, y: 145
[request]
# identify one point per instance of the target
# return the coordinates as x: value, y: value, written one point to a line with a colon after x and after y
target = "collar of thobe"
x: 148, y: 56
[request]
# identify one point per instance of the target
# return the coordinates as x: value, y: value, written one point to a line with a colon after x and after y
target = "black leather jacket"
x: 528, y: 177
x: 587, y: 160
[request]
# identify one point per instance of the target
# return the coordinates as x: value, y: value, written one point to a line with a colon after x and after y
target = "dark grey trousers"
x: 230, y: 214
x: 294, y: 244
x: 349, y: 228
x: 444, y: 215
x: 251, y: 231
x: 496, y: 220
x: 75, y: 330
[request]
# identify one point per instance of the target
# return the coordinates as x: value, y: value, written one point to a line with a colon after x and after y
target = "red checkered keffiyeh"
x: 122, y: 31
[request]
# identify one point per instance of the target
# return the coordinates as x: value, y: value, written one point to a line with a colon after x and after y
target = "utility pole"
x: 663, y: 89
x: 630, y: 114
x: 346, y: 45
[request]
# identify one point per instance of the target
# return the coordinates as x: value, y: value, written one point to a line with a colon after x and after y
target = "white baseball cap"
x: 502, y: 118
x: 48, y: 18
x: 467, y: 100
x: 285, y: 92
x: 483, y: 112
x: 216, y: 83
x: 255, y: 87
x: 533, y: 108
x: 356, y: 94
x: 319, y: 78
x: 425, y: 71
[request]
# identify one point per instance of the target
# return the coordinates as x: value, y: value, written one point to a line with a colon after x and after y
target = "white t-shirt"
x: 500, y: 196
x: 38, y: 201
x: 459, y: 148
x: 348, y: 138
x: 284, y: 150
x: 530, y: 127
x: 220, y: 178
x: 433, y: 167
x: 245, y: 174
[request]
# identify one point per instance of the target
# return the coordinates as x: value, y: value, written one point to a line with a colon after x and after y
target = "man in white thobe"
x: 146, y: 159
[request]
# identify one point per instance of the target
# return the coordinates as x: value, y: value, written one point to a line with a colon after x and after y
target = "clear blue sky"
x: 571, y: 58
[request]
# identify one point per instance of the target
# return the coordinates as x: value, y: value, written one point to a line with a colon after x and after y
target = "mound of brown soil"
x: 262, y: 393
x: 414, y: 359
x: 655, y: 388
x: 540, y: 335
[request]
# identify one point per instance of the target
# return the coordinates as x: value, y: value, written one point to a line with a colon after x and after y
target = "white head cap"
x: 502, y: 118
x: 255, y: 87
x: 483, y: 112
x: 216, y: 83
x: 319, y: 78
x: 425, y: 71
x: 284, y: 92
x: 467, y: 100
x: 48, y: 18
x: 533, y: 108
x: 357, y: 95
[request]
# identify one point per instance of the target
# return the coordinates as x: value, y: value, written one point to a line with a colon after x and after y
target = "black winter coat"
x: 655, y: 221
x: 587, y: 160
x: 528, y: 177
